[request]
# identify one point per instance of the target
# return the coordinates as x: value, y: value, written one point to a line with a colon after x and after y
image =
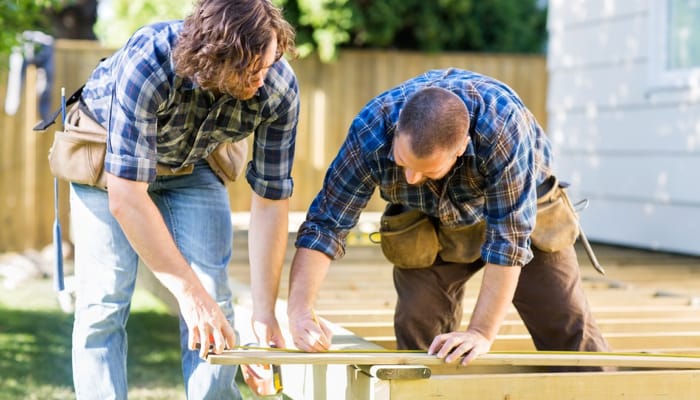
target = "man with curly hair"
x: 169, y: 98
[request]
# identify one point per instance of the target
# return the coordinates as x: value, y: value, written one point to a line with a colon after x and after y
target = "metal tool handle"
x: 582, y: 236
x: 57, y: 237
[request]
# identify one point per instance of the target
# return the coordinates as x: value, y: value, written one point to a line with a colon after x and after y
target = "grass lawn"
x: 35, y: 346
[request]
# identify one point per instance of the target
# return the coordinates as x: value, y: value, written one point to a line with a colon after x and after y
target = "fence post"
x: 29, y: 205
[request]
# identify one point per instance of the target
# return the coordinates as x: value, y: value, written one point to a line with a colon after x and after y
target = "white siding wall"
x: 631, y: 148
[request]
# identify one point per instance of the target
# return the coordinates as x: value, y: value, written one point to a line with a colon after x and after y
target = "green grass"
x: 35, y: 347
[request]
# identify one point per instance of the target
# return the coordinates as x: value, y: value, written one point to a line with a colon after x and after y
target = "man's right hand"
x: 206, y: 324
x: 309, y: 333
x: 267, y: 330
x: 141, y: 221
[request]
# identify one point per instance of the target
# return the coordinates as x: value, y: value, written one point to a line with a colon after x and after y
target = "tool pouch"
x: 228, y: 160
x: 408, y: 237
x: 78, y: 152
x: 556, y: 226
x: 462, y: 244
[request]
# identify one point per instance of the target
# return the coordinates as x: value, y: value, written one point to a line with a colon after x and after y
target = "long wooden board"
x: 637, y: 385
x: 566, y: 359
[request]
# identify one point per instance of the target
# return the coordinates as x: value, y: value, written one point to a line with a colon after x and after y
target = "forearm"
x: 495, y: 296
x: 147, y: 233
x: 309, y: 269
x: 267, y: 244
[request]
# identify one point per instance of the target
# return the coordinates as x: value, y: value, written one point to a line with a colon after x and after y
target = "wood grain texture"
x: 358, y: 357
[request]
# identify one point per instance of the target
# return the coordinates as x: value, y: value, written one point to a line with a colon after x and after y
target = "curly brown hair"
x: 225, y: 38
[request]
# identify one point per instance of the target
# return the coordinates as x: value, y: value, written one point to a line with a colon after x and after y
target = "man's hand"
x: 267, y: 331
x: 497, y: 289
x: 455, y: 345
x: 308, y: 270
x: 309, y: 333
x: 206, y: 323
x: 141, y: 221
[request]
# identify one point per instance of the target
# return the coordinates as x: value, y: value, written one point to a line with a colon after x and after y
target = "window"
x: 674, y: 45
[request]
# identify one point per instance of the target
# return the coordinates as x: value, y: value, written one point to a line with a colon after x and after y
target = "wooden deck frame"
x: 377, y: 375
x: 526, y: 359
x: 637, y: 385
x: 646, y: 303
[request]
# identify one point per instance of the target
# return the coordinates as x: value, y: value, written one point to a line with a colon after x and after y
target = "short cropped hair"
x: 225, y: 37
x: 433, y: 118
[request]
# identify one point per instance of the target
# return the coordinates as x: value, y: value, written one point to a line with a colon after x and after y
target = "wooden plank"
x: 510, y: 327
x: 638, y: 385
x: 348, y: 315
x: 667, y: 342
x: 359, y: 357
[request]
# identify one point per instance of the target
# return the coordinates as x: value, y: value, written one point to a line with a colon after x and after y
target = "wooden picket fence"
x: 331, y: 95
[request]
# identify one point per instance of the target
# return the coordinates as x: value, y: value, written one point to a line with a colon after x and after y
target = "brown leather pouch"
x: 556, y: 226
x: 462, y: 244
x: 408, y: 237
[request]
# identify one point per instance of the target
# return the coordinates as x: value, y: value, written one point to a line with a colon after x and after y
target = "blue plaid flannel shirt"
x: 508, y: 155
x: 154, y: 116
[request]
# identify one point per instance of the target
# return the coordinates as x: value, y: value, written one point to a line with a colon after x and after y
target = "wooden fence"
x: 331, y: 95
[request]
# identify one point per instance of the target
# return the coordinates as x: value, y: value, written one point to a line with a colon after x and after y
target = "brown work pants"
x: 549, y: 299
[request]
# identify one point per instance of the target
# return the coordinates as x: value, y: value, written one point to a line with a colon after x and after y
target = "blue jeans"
x: 196, y: 210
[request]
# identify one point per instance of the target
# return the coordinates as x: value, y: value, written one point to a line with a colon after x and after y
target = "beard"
x: 242, y: 93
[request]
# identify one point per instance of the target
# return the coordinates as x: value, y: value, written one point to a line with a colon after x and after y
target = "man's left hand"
x: 455, y: 345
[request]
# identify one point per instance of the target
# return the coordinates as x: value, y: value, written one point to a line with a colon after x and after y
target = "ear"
x: 463, y: 145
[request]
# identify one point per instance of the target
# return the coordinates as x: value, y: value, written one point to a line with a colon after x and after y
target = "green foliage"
x: 441, y: 25
x: 17, y: 16
x: 321, y: 25
x: 117, y: 24
x: 464, y: 25
x: 324, y: 26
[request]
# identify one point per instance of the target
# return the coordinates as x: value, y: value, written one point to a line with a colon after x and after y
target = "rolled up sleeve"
x: 510, y: 197
x: 269, y: 174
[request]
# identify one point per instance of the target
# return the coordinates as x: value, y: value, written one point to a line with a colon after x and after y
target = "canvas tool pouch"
x: 228, y: 160
x: 78, y: 152
x: 408, y: 237
x: 556, y: 226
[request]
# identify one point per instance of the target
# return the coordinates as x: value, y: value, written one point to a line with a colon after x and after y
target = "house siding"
x: 629, y: 147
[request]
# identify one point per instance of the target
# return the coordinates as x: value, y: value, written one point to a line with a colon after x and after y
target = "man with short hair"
x: 169, y: 98
x: 466, y: 171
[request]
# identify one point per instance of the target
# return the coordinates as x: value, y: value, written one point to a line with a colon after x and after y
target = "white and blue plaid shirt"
x: 495, y: 179
x: 154, y: 116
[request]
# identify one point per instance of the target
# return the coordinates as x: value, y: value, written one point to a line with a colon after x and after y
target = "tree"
x: 324, y: 26
x: 74, y: 19
x: 70, y: 19
x: 17, y: 16
x: 124, y: 17
x: 441, y: 25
